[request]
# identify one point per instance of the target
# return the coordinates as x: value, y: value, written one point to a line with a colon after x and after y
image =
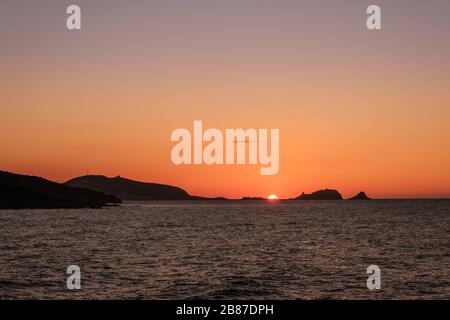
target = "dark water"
x: 238, y: 250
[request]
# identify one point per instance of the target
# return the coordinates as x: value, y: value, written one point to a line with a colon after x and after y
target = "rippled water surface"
x: 232, y: 250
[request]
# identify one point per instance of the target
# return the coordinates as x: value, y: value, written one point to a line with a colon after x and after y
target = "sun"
x: 272, y: 197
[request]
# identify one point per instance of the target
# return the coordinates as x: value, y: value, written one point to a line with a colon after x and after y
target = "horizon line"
x: 250, y: 198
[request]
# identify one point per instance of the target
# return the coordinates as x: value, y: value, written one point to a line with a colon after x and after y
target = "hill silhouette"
x: 326, y: 194
x: 21, y: 191
x: 126, y: 189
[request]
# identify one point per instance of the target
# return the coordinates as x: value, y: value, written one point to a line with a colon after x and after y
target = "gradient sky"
x: 357, y: 109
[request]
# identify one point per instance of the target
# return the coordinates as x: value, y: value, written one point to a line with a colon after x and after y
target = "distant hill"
x: 21, y: 191
x: 126, y: 189
x: 360, y: 196
x: 253, y: 198
x: 326, y: 194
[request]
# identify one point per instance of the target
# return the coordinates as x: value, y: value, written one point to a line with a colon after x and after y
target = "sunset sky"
x: 357, y: 109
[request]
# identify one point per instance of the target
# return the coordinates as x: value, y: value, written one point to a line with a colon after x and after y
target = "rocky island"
x: 326, y: 194
x: 360, y: 196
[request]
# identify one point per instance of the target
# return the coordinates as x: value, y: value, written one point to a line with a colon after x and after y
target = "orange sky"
x: 356, y: 110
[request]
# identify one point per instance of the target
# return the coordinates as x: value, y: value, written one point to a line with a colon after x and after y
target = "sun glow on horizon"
x: 272, y: 197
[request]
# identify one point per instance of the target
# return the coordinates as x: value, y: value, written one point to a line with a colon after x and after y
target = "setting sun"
x: 272, y: 197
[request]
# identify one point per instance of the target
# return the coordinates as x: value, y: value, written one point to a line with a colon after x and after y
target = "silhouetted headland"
x: 130, y: 190
x: 30, y: 192
x: 360, y: 196
x: 326, y: 194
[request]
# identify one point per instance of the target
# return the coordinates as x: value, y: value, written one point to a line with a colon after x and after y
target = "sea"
x: 229, y: 250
